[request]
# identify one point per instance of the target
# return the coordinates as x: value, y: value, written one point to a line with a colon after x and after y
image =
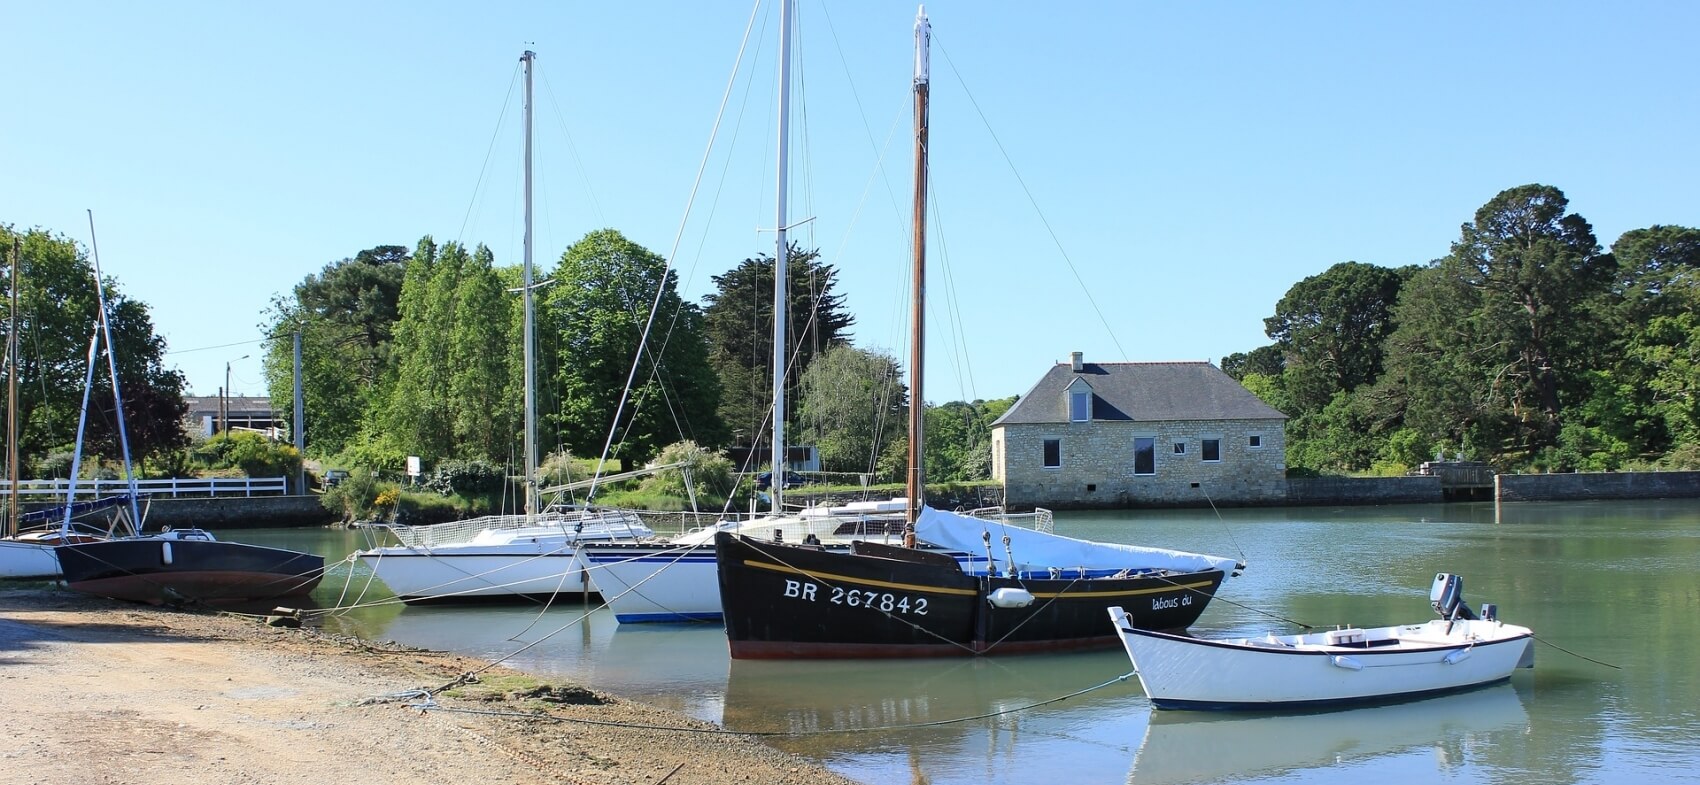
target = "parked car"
x: 334, y: 477
x: 792, y: 480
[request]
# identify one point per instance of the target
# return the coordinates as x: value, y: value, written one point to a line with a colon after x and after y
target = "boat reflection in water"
x: 1199, y: 747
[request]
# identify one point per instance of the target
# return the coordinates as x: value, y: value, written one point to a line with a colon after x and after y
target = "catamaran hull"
x: 479, y: 573
x: 1189, y: 673
x: 785, y: 602
x: 156, y: 570
x: 20, y: 560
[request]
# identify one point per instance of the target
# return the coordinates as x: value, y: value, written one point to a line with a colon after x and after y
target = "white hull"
x: 478, y: 571
x: 1325, y: 668
x: 27, y: 560
x: 657, y: 584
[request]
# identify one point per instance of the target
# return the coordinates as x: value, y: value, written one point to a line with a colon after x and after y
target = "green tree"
x: 346, y: 314
x: 1330, y: 329
x: 853, y: 406
x: 605, y: 286
x: 56, y: 319
x: 1494, y: 337
x: 739, y: 327
x: 420, y: 416
x: 1264, y: 360
x: 485, y: 422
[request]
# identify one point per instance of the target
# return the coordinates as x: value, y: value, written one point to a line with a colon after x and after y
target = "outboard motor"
x: 1447, y: 597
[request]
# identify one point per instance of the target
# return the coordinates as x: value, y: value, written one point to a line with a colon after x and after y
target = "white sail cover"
x: 1035, y: 550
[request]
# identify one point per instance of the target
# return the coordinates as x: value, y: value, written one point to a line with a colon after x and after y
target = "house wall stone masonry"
x: 1097, y: 464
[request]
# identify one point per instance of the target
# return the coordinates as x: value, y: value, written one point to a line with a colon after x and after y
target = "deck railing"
x: 54, y: 490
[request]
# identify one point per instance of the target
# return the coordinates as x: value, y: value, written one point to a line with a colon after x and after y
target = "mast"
x: 105, y: 333
x: 12, y: 398
x: 531, y: 500
x: 781, y: 262
x: 917, y: 480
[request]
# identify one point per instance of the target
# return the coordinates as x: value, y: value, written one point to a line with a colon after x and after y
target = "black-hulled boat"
x: 798, y: 601
x: 1050, y: 593
x: 187, y: 565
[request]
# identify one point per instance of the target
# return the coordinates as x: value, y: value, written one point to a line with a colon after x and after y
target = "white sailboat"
x: 677, y: 580
x: 503, y: 556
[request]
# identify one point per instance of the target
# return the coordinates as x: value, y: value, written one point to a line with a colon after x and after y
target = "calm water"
x: 1617, y: 582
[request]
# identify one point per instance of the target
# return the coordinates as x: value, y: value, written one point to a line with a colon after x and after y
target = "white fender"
x: 1010, y: 598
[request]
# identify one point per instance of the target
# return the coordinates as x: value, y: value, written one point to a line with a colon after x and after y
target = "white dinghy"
x: 1457, y: 651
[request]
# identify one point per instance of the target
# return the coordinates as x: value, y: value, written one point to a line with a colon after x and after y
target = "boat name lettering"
x: 1169, y: 603
x: 885, y: 602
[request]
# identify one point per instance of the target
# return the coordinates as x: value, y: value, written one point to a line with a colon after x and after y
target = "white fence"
x: 54, y: 490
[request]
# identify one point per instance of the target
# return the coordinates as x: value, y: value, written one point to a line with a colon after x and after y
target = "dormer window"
x: 1079, y: 402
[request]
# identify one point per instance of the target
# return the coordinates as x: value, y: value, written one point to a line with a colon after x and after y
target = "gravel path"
x: 102, y: 692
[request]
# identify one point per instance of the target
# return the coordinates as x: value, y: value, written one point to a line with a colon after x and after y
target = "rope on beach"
x: 428, y: 704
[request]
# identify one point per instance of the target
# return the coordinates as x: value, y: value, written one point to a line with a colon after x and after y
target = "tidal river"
x: 1618, y: 583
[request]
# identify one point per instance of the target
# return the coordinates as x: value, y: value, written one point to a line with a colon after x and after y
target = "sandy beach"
x: 104, y: 692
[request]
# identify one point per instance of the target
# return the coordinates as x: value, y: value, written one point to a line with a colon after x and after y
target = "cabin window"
x: 1053, y: 453
x: 1144, y: 455
x: 1254, y: 441
x: 1079, y: 405
x: 1180, y: 448
x: 1211, y: 449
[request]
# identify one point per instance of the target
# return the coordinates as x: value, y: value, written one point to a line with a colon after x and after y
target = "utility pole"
x: 296, y: 429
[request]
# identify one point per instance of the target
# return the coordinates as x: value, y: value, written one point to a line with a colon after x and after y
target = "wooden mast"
x: 917, y: 480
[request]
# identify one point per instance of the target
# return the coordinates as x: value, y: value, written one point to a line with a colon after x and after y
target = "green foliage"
x: 57, y: 313
x: 606, y: 287
x: 371, y: 453
x: 355, y: 497
x: 253, y: 454
x: 466, y: 478
x: 711, y: 473
x: 1264, y: 361
x: 346, y: 314
x: 420, y: 509
x: 959, y: 440
x: 852, y: 407
x: 738, y: 325
x: 1330, y: 328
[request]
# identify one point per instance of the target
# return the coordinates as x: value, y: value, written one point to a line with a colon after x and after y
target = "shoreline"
x: 99, y: 691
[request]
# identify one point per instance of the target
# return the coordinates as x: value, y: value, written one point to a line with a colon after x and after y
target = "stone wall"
x: 1097, y: 464
x: 1597, y: 485
x: 239, y: 512
x: 1313, y: 491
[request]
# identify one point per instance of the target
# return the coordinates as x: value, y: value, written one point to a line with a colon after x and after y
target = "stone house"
x: 1139, y: 434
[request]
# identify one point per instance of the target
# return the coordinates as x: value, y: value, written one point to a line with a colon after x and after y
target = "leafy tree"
x: 604, y: 288
x: 485, y: 422
x: 959, y: 439
x: 347, y: 315
x: 1264, y: 360
x: 420, y: 417
x: 56, y: 320
x: 853, y: 407
x: 1330, y: 329
x: 1495, y: 335
x: 739, y: 327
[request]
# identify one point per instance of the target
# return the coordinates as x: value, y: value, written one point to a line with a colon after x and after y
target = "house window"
x: 1255, y: 441
x: 1212, y: 450
x: 1079, y: 405
x: 1144, y: 455
x: 1053, y: 453
x: 1180, y: 448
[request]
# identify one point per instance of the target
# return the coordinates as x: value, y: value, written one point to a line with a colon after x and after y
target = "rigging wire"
x: 478, y: 186
x: 678, y: 236
x: 1087, y: 291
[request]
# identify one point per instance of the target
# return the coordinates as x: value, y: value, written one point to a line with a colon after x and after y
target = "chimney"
x: 1075, y: 361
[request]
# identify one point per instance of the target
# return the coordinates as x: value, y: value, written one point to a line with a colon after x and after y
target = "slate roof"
x: 1142, y: 392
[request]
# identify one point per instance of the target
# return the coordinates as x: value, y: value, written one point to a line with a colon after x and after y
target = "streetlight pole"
x: 224, y: 397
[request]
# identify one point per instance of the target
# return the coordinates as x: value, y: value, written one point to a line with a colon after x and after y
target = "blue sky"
x: 1190, y: 161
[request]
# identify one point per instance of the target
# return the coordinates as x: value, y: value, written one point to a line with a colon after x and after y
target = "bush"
x: 466, y: 478
x: 254, y: 454
x: 710, y: 472
x: 418, y: 509
x: 356, y: 497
